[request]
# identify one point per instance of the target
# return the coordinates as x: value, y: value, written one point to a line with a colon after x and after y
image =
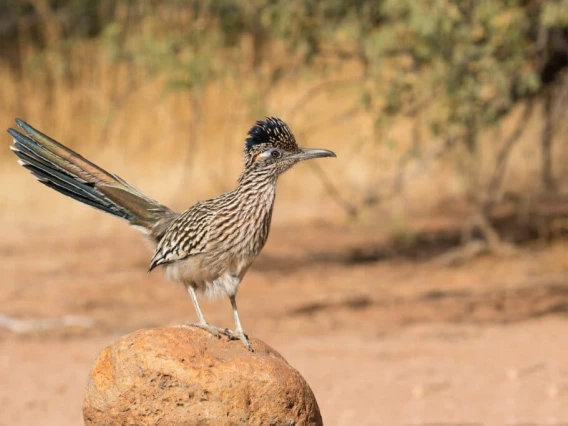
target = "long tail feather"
x: 67, y: 172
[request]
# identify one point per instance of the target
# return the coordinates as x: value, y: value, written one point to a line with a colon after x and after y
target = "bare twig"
x: 193, y: 139
x: 317, y: 90
x: 547, y: 174
x: 333, y: 191
x: 419, y: 168
x: 330, y: 188
x: 333, y: 121
x: 117, y: 102
x: 502, y: 157
x: 561, y: 100
x: 412, y: 150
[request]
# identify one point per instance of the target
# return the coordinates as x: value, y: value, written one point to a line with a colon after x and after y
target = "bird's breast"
x: 239, y: 233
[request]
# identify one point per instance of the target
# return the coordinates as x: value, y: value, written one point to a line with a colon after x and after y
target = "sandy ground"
x: 390, y: 342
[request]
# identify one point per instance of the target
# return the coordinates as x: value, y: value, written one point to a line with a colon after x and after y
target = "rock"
x: 186, y: 376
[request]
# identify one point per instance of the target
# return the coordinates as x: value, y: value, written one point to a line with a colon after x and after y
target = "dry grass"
x: 123, y: 120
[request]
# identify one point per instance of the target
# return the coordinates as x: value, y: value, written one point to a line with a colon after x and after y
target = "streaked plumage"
x: 209, y: 247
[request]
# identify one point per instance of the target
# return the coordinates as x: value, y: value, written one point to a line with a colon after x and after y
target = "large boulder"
x: 186, y: 376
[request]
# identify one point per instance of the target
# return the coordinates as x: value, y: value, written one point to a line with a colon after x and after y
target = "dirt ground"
x: 389, y: 341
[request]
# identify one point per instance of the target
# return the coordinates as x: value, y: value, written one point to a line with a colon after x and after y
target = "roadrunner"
x: 209, y: 247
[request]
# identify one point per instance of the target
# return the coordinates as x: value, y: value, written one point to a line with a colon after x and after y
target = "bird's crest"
x: 272, y: 131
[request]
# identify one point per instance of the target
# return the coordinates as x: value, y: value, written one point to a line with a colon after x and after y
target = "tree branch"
x: 502, y: 157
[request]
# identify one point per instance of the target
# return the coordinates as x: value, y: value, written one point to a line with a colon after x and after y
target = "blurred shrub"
x: 456, y: 67
x: 475, y: 59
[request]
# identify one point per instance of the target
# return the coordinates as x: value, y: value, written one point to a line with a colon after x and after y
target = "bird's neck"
x: 252, y: 180
x: 256, y: 191
x: 255, y: 195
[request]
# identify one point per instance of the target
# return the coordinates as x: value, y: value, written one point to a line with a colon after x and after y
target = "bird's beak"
x: 307, y: 154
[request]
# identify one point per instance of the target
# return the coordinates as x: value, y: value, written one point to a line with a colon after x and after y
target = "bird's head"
x: 271, y: 147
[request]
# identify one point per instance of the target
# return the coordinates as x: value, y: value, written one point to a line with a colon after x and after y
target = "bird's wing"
x: 187, y: 236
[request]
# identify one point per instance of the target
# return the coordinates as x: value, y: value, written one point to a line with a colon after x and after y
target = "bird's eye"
x: 275, y: 154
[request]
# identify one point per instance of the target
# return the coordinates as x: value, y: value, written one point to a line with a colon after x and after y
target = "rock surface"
x: 186, y: 376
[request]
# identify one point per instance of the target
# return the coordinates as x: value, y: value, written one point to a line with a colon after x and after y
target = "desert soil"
x: 382, y: 341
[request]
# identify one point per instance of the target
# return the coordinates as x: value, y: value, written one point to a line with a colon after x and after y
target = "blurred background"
x: 419, y: 278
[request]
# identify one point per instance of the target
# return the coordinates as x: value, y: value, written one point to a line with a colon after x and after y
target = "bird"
x: 209, y: 247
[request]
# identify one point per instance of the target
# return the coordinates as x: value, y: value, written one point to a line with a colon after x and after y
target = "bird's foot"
x: 217, y: 332
x: 239, y: 335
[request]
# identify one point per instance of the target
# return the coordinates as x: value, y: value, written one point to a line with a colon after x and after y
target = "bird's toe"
x: 215, y: 331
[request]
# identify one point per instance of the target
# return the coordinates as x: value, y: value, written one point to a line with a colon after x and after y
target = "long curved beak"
x: 309, y: 153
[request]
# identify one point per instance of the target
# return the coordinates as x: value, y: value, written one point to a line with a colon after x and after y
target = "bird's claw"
x: 217, y: 332
x: 239, y: 335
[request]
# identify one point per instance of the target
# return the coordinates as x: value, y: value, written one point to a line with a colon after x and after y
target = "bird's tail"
x: 67, y: 172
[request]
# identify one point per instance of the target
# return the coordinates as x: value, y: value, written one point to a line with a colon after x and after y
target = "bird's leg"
x: 204, y: 325
x: 238, y: 333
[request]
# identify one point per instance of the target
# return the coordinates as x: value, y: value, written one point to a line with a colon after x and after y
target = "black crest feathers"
x: 272, y: 131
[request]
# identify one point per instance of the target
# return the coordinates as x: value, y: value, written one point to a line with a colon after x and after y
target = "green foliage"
x: 555, y: 14
x: 468, y: 61
x: 462, y: 65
